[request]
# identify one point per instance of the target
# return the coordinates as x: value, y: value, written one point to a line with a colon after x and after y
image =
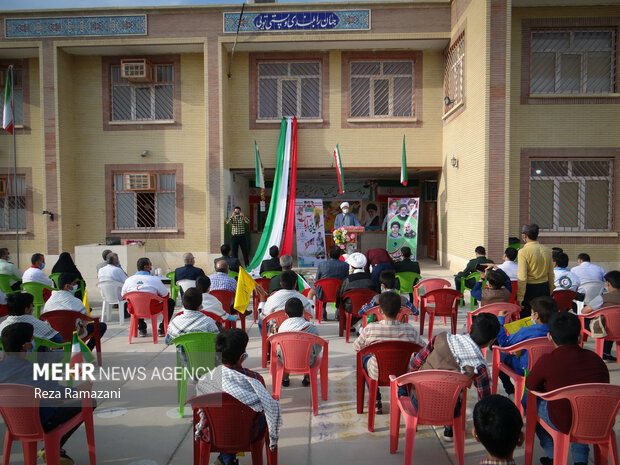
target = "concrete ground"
x: 143, y: 427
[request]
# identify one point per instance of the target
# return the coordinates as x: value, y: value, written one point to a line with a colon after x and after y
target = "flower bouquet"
x: 342, y: 237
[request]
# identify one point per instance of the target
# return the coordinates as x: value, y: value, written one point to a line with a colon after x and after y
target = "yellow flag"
x: 245, y: 286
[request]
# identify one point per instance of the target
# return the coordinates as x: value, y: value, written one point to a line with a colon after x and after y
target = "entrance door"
x: 430, y: 229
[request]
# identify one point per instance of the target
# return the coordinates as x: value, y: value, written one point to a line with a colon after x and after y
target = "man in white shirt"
x: 6, y: 267
x: 104, y: 255
x: 35, y: 274
x: 586, y: 271
x: 209, y: 302
x: 142, y: 281
x: 63, y: 299
x: 509, y: 266
x: 112, y: 271
x: 564, y: 279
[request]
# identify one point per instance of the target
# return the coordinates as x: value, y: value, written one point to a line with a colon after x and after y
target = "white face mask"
x: 74, y: 288
x: 345, y: 211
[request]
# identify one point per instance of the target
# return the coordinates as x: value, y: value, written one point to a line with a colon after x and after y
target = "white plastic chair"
x: 111, y: 294
x: 185, y: 284
x: 592, y: 290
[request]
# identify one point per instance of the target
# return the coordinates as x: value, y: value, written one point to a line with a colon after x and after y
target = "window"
x: 289, y: 88
x: 143, y: 101
x: 572, y: 61
x: 453, y: 74
x: 571, y: 195
x: 18, y: 94
x: 382, y: 89
x: 154, y: 207
x: 12, y: 202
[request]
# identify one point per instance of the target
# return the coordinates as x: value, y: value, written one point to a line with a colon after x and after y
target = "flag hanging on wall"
x: 260, y: 171
x: 338, y: 163
x: 403, y: 165
x: 7, y: 113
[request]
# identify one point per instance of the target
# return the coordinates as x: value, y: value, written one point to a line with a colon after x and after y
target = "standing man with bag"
x: 238, y: 221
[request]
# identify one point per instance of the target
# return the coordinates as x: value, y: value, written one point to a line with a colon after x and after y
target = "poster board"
x: 402, y: 226
x: 310, y: 232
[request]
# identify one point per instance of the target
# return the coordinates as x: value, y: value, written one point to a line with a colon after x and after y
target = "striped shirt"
x: 384, y: 330
x: 278, y: 300
x: 190, y: 321
x: 221, y: 281
x: 42, y: 329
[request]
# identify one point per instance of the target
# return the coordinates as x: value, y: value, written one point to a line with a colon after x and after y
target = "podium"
x: 358, y: 231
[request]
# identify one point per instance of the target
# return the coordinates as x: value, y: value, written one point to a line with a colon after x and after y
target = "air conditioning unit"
x: 140, y: 182
x: 137, y: 70
x: 3, y: 185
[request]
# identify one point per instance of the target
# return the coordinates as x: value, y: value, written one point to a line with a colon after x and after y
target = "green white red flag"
x: 403, y: 165
x: 7, y: 113
x: 258, y: 166
x: 79, y: 352
x: 338, y: 164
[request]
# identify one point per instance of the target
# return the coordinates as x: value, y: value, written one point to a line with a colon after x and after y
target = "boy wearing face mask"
x: 35, y: 274
x: 63, y: 299
x: 346, y: 218
x: 542, y: 309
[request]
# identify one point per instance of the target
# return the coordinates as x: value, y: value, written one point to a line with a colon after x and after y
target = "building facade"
x: 140, y: 123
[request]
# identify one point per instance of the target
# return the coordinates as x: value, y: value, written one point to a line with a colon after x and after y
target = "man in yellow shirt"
x: 535, y: 273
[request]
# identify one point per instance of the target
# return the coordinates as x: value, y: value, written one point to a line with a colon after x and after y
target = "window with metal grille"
x: 382, y: 89
x: 13, y: 203
x: 142, y: 101
x: 18, y: 94
x: 152, y: 209
x: 573, y: 61
x: 453, y: 73
x: 571, y: 195
x: 289, y: 88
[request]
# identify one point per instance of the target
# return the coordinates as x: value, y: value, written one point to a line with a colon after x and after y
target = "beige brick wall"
x: 540, y: 126
x: 462, y: 203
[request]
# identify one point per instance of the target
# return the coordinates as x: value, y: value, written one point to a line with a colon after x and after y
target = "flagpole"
x: 12, y: 74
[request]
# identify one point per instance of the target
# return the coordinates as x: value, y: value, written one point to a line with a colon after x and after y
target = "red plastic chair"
x: 437, y: 392
x: 440, y: 302
x: 594, y: 408
x: 148, y: 306
x: 296, y: 347
x: 20, y: 410
x: 392, y: 359
x: 63, y: 321
x: 359, y: 298
x: 536, y: 348
x: 512, y: 309
x: 228, y: 428
x: 514, y: 285
x: 426, y: 285
x: 403, y: 315
x: 612, y: 326
x: 564, y: 298
x: 279, y: 318
x: 330, y: 289
x: 264, y: 283
x: 226, y: 298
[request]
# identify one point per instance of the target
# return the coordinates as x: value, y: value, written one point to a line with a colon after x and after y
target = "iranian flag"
x: 258, y: 166
x: 79, y: 352
x: 7, y: 114
x: 338, y: 163
x: 403, y: 165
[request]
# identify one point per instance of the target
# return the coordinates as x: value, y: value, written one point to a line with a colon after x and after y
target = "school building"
x: 139, y: 123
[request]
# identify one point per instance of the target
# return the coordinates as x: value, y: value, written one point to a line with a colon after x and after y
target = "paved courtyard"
x: 143, y: 427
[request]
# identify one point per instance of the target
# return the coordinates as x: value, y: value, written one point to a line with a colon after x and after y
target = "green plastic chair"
x: 199, y: 351
x: 515, y: 246
x: 36, y: 290
x: 81, y: 284
x: 5, y: 283
x: 407, y: 280
x: 233, y: 274
x: 475, y: 275
x: 54, y: 277
x: 270, y: 274
x: 175, y: 289
x: 65, y: 346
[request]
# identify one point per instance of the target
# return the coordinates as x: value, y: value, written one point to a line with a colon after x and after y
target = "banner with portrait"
x: 310, y: 232
x: 402, y: 226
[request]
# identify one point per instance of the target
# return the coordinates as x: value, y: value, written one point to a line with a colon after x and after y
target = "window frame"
x: 21, y: 65
x: 456, y: 66
x: 528, y: 26
x: 28, y: 230
x: 305, y: 123
x: 110, y: 192
x: 349, y: 122
x: 136, y: 125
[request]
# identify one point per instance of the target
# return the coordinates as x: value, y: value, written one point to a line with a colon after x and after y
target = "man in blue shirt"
x: 542, y: 309
x: 346, y: 218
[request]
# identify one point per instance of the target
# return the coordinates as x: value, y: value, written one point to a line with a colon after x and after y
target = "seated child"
x: 498, y: 426
x: 387, y: 278
x: 192, y: 320
x: 567, y: 365
x: 609, y: 298
x: 294, y: 309
x: 388, y: 329
x: 542, y: 309
x: 461, y: 353
x: 244, y: 385
x: 496, y: 292
x: 209, y: 302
